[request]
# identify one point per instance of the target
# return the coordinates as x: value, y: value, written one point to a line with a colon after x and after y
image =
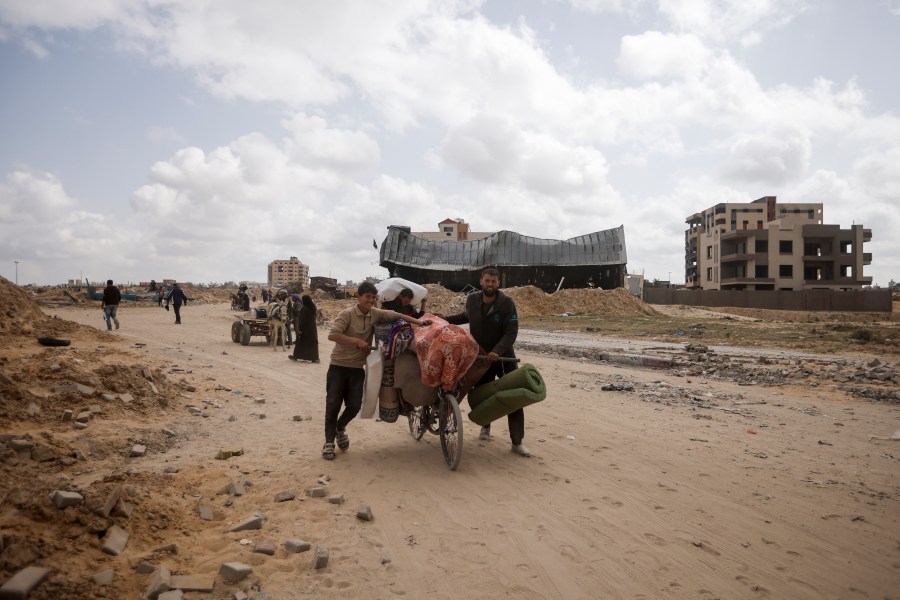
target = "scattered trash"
x: 618, y: 387
x: 824, y: 443
x: 894, y: 437
x: 751, y: 431
x: 570, y: 437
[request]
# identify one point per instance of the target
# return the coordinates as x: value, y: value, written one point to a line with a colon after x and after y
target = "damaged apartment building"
x: 454, y: 257
x: 767, y: 245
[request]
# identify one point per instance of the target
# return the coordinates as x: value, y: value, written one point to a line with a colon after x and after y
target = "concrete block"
x: 144, y: 568
x: 171, y: 594
x: 194, y: 583
x: 55, y: 367
x: 108, y: 397
x: 80, y: 425
x: 123, y: 508
x: 284, y: 496
x: 170, y: 469
x: 115, y: 540
x: 19, y: 445
x: 320, y: 558
x: 160, y: 583
x: 126, y: 398
x: 65, y: 499
x: 239, y: 595
x: 233, y: 572
x: 317, y: 492
x: 235, y: 489
x: 83, y: 417
x: 42, y: 453
x: 138, y: 450
x: 67, y: 415
x: 75, y: 388
x: 205, y: 512
x: 104, y: 577
x: 264, y: 548
x: 153, y: 387
x: 365, y: 513
x: 111, y: 500
x: 246, y: 524
x: 296, y: 546
x: 23, y: 583
x: 339, y: 499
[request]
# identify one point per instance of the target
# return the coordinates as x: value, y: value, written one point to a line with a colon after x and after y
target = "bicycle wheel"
x: 451, y: 430
x: 417, y: 425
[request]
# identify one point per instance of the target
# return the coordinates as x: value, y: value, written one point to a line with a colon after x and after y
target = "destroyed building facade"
x: 595, y: 260
x: 767, y: 245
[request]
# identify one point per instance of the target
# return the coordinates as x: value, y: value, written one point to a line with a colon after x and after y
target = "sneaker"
x: 342, y: 439
x: 292, y: 357
x: 521, y: 450
x: 328, y: 451
x: 485, y: 434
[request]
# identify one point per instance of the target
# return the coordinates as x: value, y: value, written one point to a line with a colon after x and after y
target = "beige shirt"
x: 352, y: 322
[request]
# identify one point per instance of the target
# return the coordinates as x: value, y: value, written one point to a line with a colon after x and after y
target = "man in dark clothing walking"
x: 177, y: 298
x: 110, y: 304
x: 494, y: 324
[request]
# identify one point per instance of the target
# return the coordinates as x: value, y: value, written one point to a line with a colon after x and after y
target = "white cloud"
x: 770, y: 159
x: 654, y: 55
x: 725, y: 20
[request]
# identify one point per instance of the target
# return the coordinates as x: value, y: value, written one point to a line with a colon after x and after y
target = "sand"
x: 752, y: 492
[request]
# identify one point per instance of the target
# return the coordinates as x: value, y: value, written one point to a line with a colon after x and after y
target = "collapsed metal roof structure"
x: 594, y: 260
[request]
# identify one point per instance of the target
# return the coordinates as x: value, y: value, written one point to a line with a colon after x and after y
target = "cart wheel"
x: 236, y: 332
x: 417, y: 425
x: 451, y: 430
x: 245, y: 334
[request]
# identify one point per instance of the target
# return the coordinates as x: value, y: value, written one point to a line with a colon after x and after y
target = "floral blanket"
x: 445, y: 353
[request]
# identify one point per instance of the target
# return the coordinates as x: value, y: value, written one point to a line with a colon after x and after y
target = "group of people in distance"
x: 112, y: 297
x: 493, y: 323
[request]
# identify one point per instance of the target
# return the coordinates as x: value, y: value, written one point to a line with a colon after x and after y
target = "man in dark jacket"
x: 494, y: 324
x: 177, y: 298
x: 110, y: 304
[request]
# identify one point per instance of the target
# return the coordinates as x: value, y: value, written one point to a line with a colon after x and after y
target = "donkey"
x: 277, y: 329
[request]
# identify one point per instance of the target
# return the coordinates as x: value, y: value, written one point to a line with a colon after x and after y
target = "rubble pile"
x: 68, y: 414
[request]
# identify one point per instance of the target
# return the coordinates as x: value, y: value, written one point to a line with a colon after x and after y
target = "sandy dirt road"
x: 766, y: 492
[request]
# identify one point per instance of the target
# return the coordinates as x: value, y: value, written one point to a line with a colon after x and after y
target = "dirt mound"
x: 530, y: 302
x: 617, y: 302
x: 18, y: 310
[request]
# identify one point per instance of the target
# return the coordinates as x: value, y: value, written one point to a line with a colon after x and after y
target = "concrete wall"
x: 812, y: 300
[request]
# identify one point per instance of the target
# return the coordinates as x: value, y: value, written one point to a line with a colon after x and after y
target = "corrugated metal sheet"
x: 502, y: 249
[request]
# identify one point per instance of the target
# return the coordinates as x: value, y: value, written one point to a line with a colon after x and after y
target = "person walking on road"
x: 110, y: 304
x: 494, y: 324
x: 306, y: 346
x: 176, y: 298
x: 352, y: 333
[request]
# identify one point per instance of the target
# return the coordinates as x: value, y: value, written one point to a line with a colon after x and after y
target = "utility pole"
x: 17, y: 271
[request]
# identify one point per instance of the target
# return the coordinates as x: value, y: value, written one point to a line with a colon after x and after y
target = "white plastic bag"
x: 390, y: 288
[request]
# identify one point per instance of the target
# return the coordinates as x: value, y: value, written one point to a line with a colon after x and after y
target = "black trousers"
x: 515, y: 419
x: 343, y: 387
x: 177, y: 306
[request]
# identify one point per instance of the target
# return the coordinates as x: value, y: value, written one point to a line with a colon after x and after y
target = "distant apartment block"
x: 285, y: 272
x: 453, y: 230
x: 767, y: 245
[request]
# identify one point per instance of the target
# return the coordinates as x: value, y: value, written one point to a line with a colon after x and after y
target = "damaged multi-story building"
x: 768, y: 245
x: 455, y: 257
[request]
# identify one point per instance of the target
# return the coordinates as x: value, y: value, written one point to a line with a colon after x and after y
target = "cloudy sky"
x: 200, y: 139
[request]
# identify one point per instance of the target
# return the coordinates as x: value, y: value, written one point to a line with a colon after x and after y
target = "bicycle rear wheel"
x: 417, y: 426
x: 451, y: 427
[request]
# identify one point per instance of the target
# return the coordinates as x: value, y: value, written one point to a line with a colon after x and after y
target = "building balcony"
x: 825, y: 258
x: 867, y: 235
x: 736, y: 257
x: 738, y: 233
x: 867, y: 258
